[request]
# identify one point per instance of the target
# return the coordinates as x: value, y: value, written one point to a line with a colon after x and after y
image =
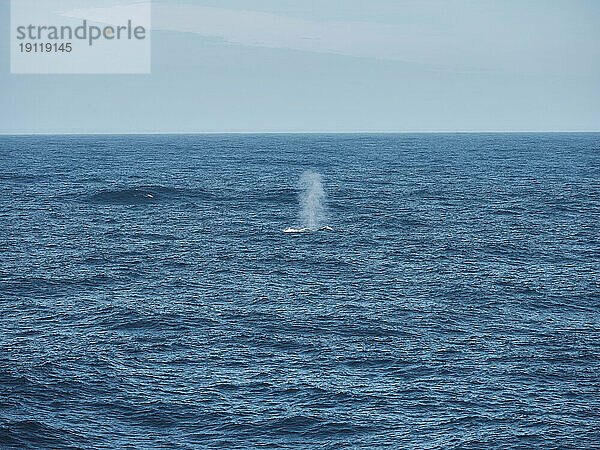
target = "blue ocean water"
x: 150, y: 299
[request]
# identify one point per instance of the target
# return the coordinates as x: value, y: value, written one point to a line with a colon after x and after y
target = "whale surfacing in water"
x: 305, y: 229
x: 296, y: 230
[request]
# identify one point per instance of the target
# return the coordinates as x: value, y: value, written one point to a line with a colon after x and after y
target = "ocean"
x: 432, y: 291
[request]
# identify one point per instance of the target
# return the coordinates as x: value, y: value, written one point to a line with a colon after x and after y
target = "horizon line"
x: 166, y: 133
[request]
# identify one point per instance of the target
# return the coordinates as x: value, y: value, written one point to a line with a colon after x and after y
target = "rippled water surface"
x: 150, y: 298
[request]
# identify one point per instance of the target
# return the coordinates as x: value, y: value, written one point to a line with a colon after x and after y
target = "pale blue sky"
x: 345, y: 65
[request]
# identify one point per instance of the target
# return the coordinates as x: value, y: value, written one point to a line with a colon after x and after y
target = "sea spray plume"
x: 312, y: 204
x: 312, y: 200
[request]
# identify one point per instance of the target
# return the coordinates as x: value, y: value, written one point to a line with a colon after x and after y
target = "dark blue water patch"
x: 276, y: 196
x: 149, y: 236
x: 19, y: 177
x: 27, y: 433
x: 148, y: 194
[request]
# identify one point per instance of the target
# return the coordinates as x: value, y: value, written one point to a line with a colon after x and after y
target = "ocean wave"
x: 32, y: 432
x: 21, y: 178
x: 147, y: 194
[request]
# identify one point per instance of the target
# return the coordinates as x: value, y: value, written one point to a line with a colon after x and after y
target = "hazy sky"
x: 326, y: 65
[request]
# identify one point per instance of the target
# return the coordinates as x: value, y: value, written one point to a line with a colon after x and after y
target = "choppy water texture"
x: 150, y: 298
